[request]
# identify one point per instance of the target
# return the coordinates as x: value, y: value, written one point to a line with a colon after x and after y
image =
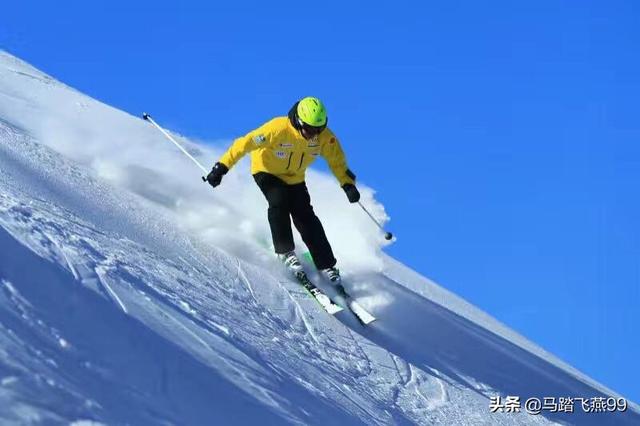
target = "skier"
x: 281, y: 150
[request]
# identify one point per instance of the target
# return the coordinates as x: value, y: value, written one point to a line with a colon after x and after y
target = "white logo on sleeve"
x: 259, y: 139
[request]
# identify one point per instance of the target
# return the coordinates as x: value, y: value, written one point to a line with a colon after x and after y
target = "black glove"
x: 215, y: 175
x: 352, y: 192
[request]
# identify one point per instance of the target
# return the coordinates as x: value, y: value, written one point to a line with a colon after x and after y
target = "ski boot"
x: 333, y: 275
x: 291, y: 262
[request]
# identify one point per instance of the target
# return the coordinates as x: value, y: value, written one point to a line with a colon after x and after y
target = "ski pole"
x: 387, y: 235
x: 148, y: 118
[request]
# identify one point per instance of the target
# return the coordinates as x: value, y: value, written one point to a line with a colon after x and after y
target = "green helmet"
x: 311, y: 112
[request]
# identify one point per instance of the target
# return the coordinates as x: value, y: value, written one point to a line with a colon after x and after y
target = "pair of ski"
x: 331, y: 306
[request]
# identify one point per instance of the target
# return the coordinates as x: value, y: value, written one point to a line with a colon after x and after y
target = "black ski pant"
x: 293, y: 201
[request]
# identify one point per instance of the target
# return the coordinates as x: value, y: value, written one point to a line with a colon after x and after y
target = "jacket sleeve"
x: 259, y: 138
x: 333, y: 153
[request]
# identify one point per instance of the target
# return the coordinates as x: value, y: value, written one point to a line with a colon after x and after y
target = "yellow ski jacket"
x: 278, y: 148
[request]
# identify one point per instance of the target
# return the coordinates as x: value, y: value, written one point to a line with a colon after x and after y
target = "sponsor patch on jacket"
x: 281, y: 154
x: 286, y: 145
x: 259, y: 139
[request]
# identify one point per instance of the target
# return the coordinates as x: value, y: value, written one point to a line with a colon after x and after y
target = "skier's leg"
x: 310, y: 227
x: 277, y: 195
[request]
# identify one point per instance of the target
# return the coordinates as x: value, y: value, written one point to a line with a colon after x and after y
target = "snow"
x: 132, y: 293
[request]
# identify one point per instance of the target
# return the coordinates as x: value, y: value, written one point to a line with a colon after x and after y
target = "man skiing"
x: 281, y: 150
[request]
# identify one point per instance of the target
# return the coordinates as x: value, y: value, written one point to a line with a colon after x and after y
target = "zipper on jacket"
x: 289, y: 162
x: 301, y: 158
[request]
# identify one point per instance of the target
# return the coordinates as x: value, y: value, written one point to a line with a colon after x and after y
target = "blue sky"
x: 502, y: 137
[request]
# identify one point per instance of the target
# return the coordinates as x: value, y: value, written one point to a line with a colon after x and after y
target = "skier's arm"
x: 334, y: 155
x: 260, y: 137
x: 243, y: 145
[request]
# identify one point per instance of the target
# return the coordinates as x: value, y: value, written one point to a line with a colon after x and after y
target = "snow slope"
x: 132, y: 293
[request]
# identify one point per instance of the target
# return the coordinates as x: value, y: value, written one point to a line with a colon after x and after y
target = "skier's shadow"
x: 430, y: 336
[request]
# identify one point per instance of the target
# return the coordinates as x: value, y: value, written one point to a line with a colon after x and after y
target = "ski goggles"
x: 312, y: 130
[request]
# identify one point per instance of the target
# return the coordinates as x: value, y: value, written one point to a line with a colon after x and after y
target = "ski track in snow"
x: 110, y: 313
